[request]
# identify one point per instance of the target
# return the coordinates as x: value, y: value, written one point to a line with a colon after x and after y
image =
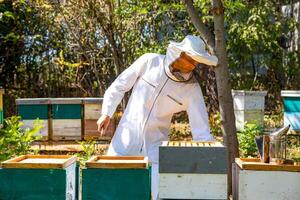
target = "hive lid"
x: 40, y: 161
x: 66, y: 100
x: 290, y: 93
x: 256, y: 164
x: 92, y: 100
x: 27, y: 101
x: 125, y: 162
x: 191, y: 144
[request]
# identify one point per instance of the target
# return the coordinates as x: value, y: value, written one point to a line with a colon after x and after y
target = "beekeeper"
x: 161, y: 86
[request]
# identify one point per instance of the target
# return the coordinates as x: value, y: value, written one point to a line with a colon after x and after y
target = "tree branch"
x: 204, y: 32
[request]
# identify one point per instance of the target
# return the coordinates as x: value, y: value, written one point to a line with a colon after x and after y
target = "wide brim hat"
x: 195, y: 47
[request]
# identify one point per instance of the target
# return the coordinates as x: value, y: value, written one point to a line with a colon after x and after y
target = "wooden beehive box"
x: 114, y: 178
x: 254, y: 180
x: 192, y: 170
x: 291, y: 102
x: 1, y: 107
x: 38, y: 177
x: 32, y: 109
x: 248, y: 107
x: 92, y: 112
x: 66, y: 116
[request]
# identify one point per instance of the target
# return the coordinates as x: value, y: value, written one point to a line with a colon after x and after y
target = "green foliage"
x: 88, y: 148
x: 215, y: 124
x: 246, y: 138
x: 16, y: 141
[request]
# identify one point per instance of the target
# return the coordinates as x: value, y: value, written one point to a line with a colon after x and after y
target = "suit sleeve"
x: 198, y: 117
x: 123, y: 83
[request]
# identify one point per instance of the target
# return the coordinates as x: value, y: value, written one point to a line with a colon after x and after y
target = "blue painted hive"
x: 291, y: 102
x: 115, y: 178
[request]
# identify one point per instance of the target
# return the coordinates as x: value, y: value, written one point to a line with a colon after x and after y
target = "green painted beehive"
x: 66, y: 116
x: 38, y: 177
x: 32, y: 109
x: 115, y: 178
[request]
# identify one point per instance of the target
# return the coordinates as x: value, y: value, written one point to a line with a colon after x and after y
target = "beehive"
x: 291, y: 102
x: 66, y: 114
x: 32, y: 109
x: 248, y: 107
x: 114, y: 178
x: 1, y: 107
x: 254, y: 180
x: 92, y: 112
x: 192, y: 170
x: 38, y: 177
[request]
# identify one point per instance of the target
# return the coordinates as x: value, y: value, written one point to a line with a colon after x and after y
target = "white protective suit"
x: 154, y: 99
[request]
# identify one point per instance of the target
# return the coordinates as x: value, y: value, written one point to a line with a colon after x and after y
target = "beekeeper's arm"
x: 198, y: 116
x: 123, y: 83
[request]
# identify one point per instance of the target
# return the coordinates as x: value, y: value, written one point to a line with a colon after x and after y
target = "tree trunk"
x: 224, y: 89
x: 218, y: 47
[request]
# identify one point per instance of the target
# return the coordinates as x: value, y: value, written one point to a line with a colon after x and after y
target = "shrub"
x: 16, y: 141
x: 246, y: 138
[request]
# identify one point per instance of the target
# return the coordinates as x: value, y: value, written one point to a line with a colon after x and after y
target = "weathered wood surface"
x: 248, y: 100
x: 193, y: 186
x: 66, y: 128
x: 256, y: 164
x: 92, y: 111
x: 32, y: 101
x: 262, y: 184
x: 40, y: 162
x: 130, y: 162
x: 28, y: 124
x: 91, y: 130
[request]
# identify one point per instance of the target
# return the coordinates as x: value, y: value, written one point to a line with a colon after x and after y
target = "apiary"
x: 192, y: 170
x: 38, y: 177
x: 254, y: 180
x: 33, y: 109
x: 114, y: 178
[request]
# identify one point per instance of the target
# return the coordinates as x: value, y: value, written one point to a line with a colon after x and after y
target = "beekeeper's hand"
x: 103, y: 123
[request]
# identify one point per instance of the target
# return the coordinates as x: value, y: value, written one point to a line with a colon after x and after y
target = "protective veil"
x: 156, y: 95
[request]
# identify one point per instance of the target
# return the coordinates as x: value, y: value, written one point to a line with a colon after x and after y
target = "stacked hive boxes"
x: 38, y: 177
x: 291, y: 102
x: 66, y: 118
x: 248, y: 107
x: 114, y: 178
x: 92, y: 112
x: 254, y: 180
x: 1, y: 107
x: 192, y: 170
x: 32, y: 109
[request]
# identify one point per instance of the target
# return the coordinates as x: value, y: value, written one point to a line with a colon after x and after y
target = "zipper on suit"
x: 141, y: 149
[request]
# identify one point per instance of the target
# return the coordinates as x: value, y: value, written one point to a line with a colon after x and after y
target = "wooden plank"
x: 91, y: 129
x: 66, y: 128
x: 28, y: 124
x: 92, y: 100
x: 65, y: 100
x: 92, y: 111
x: 117, y: 162
x: 274, y: 185
x: 32, y: 101
x: 39, y: 162
x: 290, y: 93
x: 192, y: 186
x: 255, y: 164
